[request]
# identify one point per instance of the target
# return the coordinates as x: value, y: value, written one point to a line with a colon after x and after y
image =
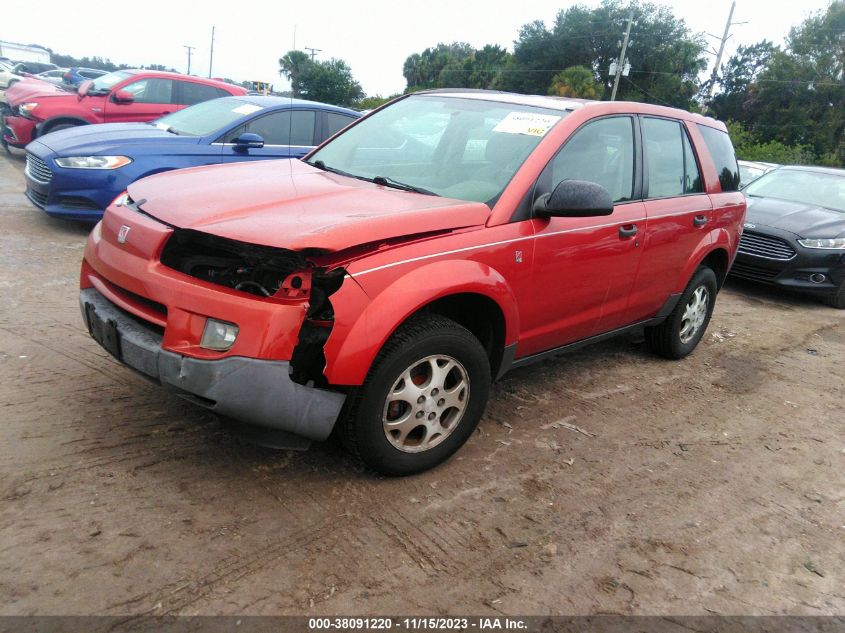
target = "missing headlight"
x: 257, y: 270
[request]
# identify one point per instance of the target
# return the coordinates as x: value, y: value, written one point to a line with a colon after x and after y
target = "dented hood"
x: 289, y: 204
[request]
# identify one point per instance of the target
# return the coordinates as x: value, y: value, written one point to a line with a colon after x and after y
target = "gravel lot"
x: 711, y: 485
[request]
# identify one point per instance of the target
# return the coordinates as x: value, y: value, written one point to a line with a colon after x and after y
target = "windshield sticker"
x: 526, y: 123
x: 247, y: 108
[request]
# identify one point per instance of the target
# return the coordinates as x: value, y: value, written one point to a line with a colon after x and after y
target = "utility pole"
x: 314, y: 51
x: 621, y: 63
x: 715, y: 74
x: 211, y: 56
x: 190, y: 48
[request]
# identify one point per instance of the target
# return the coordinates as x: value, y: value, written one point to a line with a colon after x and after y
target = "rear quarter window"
x: 722, y: 151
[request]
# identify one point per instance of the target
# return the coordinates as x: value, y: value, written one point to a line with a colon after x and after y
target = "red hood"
x: 289, y: 204
x: 31, y: 88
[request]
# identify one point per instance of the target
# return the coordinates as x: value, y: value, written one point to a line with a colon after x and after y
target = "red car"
x: 118, y: 97
x: 381, y: 284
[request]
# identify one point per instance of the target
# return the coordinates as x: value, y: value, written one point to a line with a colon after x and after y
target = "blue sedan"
x: 76, y: 173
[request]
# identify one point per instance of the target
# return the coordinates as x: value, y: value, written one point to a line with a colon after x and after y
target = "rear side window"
x: 602, y: 152
x: 722, y: 152
x: 336, y: 122
x: 672, y: 170
x: 192, y: 93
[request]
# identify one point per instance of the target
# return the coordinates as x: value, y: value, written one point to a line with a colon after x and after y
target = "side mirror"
x: 574, y: 199
x: 123, y: 96
x: 248, y: 140
x: 84, y: 87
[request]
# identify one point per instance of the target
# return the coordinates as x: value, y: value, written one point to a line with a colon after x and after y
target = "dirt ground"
x: 711, y: 485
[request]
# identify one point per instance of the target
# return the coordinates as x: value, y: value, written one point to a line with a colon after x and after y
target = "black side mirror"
x: 248, y: 140
x: 575, y: 199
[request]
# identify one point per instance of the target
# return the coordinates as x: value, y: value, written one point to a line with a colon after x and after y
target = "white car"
x: 7, y: 77
x: 751, y: 170
x: 53, y: 76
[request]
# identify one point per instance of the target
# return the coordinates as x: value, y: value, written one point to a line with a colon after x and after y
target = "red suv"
x: 379, y: 285
x: 125, y: 95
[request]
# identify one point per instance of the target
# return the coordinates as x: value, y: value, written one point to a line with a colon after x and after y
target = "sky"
x: 374, y: 36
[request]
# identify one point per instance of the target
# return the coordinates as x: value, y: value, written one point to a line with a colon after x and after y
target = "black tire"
x: 412, y: 347
x: 837, y: 300
x: 59, y: 126
x: 669, y: 339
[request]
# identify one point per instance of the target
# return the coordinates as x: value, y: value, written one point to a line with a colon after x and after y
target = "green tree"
x: 291, y: 66
x: 736, y: 78
x: 329, y: 82
x: 795, y: 97
x: 666, y: 57
x: 576, y: 81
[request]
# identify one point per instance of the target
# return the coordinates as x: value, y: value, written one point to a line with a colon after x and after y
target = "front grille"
x: 747, y: 271
x: 37, y: 169
x: 767, y: 246
x: 39, y: 199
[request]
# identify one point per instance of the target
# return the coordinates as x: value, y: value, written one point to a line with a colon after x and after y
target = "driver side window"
x: 601, y: 152
x: 151, y: 90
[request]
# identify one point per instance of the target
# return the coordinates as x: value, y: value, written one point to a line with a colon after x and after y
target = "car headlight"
x: 218, y: 335
x: 93, y: 162
x: 26, y: 108
x: 122, y: 200
x: 828, y: 244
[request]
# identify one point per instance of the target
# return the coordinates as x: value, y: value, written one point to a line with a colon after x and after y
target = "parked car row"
x: 75, y: 173
x: 377, y: 286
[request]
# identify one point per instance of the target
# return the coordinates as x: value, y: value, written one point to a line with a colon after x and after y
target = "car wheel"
x: 422, y: 399
x: 60, y: 126
x: 837, y: 300
x: 678, y: 335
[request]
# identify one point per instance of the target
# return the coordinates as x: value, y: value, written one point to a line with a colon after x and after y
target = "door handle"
x: 699, y: 220
x: 628, y: 230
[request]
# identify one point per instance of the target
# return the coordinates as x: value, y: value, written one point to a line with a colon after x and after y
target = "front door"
x: 584, y: 268
x: 153, y: 97
x: 286, y: 134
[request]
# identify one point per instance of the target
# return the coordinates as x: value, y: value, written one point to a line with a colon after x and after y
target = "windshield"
x: 465, y: 148
x: 106, y: 82
x: 796, y: 185
x: 207, y: 117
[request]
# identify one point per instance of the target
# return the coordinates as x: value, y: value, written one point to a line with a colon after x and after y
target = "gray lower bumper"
x: 255, y: 391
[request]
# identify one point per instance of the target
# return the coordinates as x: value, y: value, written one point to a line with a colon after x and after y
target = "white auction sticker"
x: 247, y: 108
x: 526, y: 123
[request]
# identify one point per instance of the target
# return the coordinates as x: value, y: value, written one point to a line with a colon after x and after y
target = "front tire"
x: 60, y: 126
x: 837, y: 300
x: 424, y: 396
x: 680, y: 333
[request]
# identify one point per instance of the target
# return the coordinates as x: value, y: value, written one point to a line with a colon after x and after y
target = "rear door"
x: 678, y: 209
x: 286, y: 134
x: 153, y: 97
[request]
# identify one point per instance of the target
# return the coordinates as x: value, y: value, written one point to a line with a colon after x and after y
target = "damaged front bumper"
x: 255, y: 391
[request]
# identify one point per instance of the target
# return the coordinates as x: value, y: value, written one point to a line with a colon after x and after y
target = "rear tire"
x: 837, y: 300
x: 424, y: 396
x: 679, y: 334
